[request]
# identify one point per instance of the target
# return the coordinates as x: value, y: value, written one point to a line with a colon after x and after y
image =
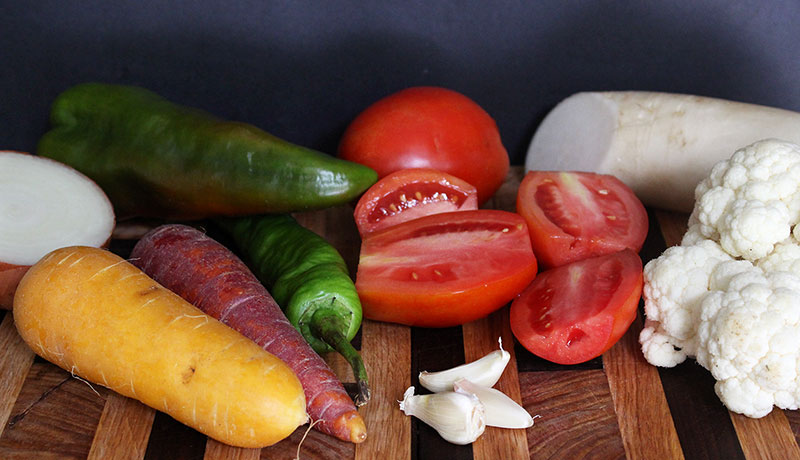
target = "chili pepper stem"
x: 327, y: 325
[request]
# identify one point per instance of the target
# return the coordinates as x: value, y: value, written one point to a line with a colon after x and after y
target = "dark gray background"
x: 303, y: 69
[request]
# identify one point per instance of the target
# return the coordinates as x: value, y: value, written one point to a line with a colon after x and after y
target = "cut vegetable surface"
x: 429, y: 127
x: 208, y: 275
x: 445, y: 269
x: 159, y: 159
x: 411, y: 193
x: 309, y: 280
x: 575, y: 215
x: 661, y: 145
x: 45, y: 205
x: 575, y: 312
x: 98, y: 317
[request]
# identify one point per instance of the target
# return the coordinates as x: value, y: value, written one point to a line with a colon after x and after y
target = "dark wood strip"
x: 172, y: 440
x: 703, y: 424
x: 577, y: 418
x: 54, y: 416
x: 434, y: 350
x: 528, y: 362
x: 704, y: 428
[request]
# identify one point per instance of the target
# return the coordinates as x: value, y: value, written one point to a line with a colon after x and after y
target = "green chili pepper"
x: 309, y: 280
x: 157, y: 159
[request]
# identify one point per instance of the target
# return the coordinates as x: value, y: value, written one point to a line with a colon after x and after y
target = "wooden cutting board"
x: 616, y: 406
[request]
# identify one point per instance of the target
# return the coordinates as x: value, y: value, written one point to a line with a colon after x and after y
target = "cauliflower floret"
x: 750, y: 202
x: 785, y: 257
x: 749, y: 337
x: 729, y: 295
x: 675, y: 284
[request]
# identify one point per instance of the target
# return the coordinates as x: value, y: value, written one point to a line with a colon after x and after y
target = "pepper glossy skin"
x: 309, y: 280
x: 158, y: 159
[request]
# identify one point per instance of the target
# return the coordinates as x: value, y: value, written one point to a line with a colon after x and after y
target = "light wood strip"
x: 386, y: 349
x: 123, y: 430
x: 768, y: 437
x: 216, y: 450
x: 643, y: 414
x: 15, y: 362
x: 480, y: 338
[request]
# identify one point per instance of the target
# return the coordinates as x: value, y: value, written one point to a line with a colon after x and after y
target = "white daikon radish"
x: 45, y: 205
x: 661, y: 145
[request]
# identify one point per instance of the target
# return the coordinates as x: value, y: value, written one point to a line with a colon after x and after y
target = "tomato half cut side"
x: 575, y: 215
x: 573, y: 313
x: 444, y: 269
x: 411, y: 193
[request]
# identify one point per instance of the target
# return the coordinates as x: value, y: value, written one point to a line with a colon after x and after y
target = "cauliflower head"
x: 729, y: 294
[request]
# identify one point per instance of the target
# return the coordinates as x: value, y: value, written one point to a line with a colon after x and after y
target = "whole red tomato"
x: 429, y: 127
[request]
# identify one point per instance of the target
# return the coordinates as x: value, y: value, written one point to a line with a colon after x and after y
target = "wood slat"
x: 387, y: 349
x: 15, y: 361
x: 123, y: 430
x: 642, y: 411
x: 768, y: 434
x: 218, y: 451
x: 480, y: 338
x: 577, y: 415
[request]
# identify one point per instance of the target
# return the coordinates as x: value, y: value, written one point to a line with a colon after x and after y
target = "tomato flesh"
x: 429, y: 127
x: 575, y: 215
x: 575, y: 312
x: 444, y: 269
x: 411, y: 193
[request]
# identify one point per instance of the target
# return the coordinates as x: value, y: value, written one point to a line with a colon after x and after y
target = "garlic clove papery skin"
x: 485, y: 371
x: 458, y: 418
x: 501, y: 411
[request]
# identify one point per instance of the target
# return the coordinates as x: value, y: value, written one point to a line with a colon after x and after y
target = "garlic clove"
x: 457, y: 417
x: 501, y: 411
x: 485, y: 371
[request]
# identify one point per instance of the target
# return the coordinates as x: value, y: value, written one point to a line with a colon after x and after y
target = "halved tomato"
x: 575, y: 312
x: 411, y: 193
x: 444, y: 269
x: 575, y: 215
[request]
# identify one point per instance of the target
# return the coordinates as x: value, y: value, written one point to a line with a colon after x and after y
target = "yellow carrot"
x: 97, y: 316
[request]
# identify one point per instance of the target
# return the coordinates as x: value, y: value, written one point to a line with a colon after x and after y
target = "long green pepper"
x: 309, y: 279
x: 154, y: 158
